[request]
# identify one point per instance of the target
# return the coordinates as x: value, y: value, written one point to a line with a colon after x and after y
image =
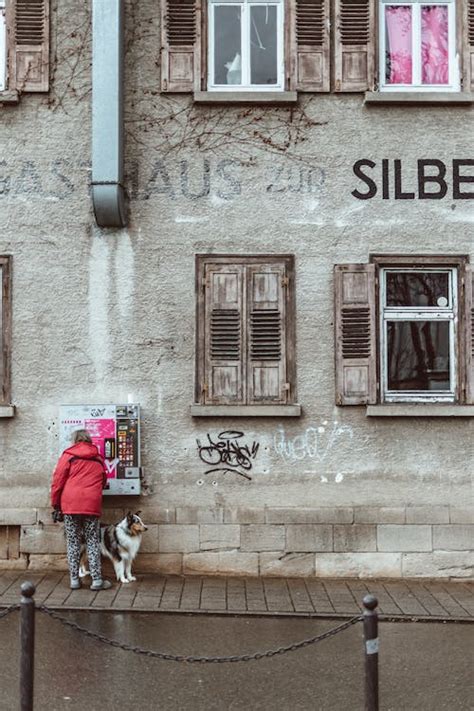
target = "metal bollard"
x: 27, y: 645
x: 371, y: 653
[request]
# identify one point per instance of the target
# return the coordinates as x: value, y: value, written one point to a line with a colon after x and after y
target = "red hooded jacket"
x: 77, y: 483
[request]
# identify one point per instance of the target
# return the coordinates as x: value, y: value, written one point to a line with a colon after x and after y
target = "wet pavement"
x: 424, y: 599
x: 423, y: 666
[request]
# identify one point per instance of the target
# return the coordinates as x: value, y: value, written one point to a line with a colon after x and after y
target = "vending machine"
x: 115, y: 430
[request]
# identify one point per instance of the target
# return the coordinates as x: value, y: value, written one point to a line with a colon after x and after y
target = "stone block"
x: 439, y: 564
x: 150, y: 540
x: 404, y: 538
x: 39, y: 539
x: 112, y: 516
x: 427, y: 514
x: 455, y: 537
x: 287, y: 564
x: 222, y: 563
x: 158, y: 514
x: 323, y: 514
x: 382, y: 514
x: 358, y: 537
x: 213, y: 537
x: 461, y: 514
x: 17, y: 517
x: 47, y: 563
x: 178, y: 539
x: 43, y: 516
x: 309, y: 538
x: 194, y: 514
x: 258, y: 537
x: 159, y: 563
x: 358, y: 565
x: 20, y: 563
x: 240, y: 514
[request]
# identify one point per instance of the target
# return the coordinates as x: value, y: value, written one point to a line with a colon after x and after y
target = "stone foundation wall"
x: 413, y: 541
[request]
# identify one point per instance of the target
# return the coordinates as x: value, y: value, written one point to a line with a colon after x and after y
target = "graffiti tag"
x: 226, y: 455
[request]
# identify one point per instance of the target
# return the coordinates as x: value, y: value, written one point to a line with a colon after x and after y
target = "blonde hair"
x: 81, y: 436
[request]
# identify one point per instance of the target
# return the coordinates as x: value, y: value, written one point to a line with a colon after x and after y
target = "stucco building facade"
x: 327, y: 457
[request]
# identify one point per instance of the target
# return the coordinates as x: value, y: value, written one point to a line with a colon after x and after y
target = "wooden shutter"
x: 28, y: 27
x: 224, y: 367
x: 355, y: 45
x: 468, y: 37
x: 180, y: 32
x: 469, y: 331
x: 266, y: 333
x: 355, y: 331
x: 308, y: 45
x: 5, y: 329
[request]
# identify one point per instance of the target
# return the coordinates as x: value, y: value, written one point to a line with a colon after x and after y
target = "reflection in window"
x: 424, y: 289
x: 246, y: 44
x: 418, y: 355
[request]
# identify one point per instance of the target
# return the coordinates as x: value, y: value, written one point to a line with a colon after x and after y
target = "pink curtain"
x: 434, y: 45
x: 399, y: 51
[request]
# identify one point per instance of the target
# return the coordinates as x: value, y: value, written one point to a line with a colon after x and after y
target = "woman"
x: 76, y: 490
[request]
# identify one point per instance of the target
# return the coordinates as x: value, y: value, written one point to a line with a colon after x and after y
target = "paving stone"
x: 299, y: 596
x: 191, y: 595
x: 319, y: 597
x: 309, y: 538
x: 408, y: 538
x: 357, y: 537
x: 171, y: 596
x: 277, y: 595
x: 453, y: 537
x: 445, y: 599
x: 406, y: 600
x: 236, y: 597
x: 214, y: 594
x: 255, y: 595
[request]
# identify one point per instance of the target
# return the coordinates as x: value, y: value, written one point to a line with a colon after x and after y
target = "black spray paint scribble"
x: 226, y: 450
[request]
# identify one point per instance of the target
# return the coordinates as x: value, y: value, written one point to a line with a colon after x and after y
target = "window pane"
x: 418, y: 355
x: 398, y: 44
x: 418, y: 289
x: 227, y: 45
x: 434, y: 45
x: 263, y: 44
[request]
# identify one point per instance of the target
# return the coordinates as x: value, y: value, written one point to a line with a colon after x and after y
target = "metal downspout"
x: 108, y: 193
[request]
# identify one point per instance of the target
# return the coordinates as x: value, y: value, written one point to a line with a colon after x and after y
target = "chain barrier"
x: 6, y: 612
x: 200, y: 660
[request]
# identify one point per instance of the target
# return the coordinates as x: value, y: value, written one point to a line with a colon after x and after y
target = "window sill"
x: 420, y: 410
x: 447, y: 98
x: 9, y: 97
x: 245, y: 97
x: 246, y: 410
x: 7, y: 410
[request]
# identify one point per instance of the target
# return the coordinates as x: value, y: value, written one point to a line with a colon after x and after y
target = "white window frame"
x: 245, y: 6
x: 416, y: 85
x: 3, y: 47
x: 415, y: 313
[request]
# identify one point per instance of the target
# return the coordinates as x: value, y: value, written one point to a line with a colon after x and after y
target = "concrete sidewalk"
x: 430, y: 600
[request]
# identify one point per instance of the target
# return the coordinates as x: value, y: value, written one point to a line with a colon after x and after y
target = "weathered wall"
x: 99, y: 316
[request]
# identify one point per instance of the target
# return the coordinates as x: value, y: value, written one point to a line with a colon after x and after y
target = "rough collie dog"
x: 120, y: 543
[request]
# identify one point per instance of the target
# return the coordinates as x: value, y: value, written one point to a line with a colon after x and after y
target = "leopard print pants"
x: 83, y: 529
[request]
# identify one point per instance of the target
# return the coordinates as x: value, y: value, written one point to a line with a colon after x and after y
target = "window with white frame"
x: 3, y: 47
x: 418, y: 312
x: 245, y: 47
x: 418, y: 46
